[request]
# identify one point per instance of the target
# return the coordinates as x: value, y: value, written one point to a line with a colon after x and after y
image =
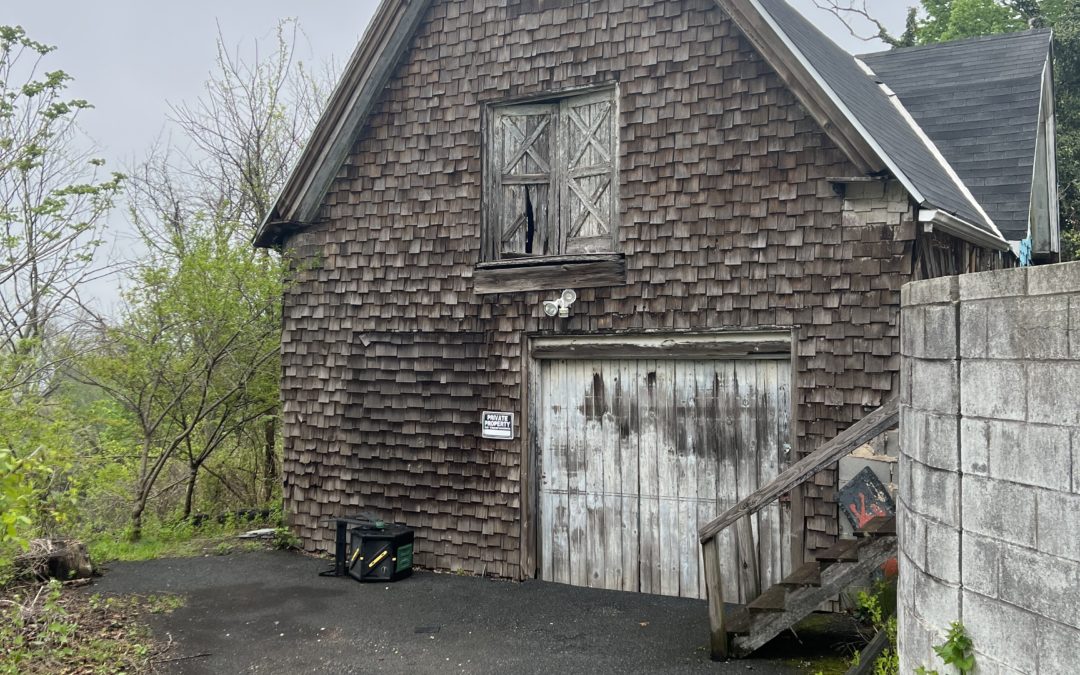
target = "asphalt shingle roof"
x: 978, y: 100
x: 877, y: 114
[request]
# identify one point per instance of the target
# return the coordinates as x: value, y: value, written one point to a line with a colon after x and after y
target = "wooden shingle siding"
x: 726, y: 221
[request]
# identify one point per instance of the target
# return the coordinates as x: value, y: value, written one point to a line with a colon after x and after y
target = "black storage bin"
x: 380, y: 552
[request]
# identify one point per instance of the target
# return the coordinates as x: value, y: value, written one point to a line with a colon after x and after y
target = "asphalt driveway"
x: 270, y: 612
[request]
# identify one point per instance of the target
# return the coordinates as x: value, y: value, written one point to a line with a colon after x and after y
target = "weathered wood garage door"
x: 636, y: 455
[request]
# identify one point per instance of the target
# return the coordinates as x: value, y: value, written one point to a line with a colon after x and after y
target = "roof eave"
x: 962, y: 229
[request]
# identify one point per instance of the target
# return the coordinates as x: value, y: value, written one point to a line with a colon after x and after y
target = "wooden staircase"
x: 804, y: 590
x: 738, y: 631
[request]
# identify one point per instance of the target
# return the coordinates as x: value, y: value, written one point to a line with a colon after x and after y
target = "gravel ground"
x: 270, y: 612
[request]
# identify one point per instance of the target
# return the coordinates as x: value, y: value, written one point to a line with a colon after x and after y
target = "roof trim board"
x: 958, y: 227
x: 936, y: 152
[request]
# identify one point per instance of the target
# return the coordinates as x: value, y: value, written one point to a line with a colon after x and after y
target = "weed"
x: 956, y: 651
x: 285, y: 540
x: 45, y: 629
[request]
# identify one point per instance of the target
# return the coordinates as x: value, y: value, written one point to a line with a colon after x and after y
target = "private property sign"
x: 498, y: 425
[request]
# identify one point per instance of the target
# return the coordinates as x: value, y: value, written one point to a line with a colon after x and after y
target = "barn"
x: 571, y: 277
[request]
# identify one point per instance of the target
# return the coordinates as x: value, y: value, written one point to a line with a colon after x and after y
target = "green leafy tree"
x: 52, y: 207
x: 188, y: 359
x: 956, y: 19
x: 194, y: 359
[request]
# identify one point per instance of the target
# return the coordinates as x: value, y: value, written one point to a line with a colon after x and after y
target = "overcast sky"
x: 132, y: 58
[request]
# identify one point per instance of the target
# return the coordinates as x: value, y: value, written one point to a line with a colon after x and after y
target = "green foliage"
x: 169, y: 407
x: 285, y: 540
x: 37, y: 490
x: 878, y: 608
x: 946, y: 20
x: 52, y: 204
x: 47, y: 630
x: 956, y: 651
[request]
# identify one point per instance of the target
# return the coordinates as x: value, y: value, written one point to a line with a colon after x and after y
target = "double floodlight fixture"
x: 560, y: 306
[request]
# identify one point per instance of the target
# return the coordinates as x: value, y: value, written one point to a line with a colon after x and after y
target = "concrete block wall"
x: 989, y: 501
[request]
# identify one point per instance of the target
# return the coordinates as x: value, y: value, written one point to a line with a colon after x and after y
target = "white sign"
x: 498, y: 425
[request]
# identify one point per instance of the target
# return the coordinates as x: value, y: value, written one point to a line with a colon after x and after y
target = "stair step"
x: 845, y: 550
x: 882, y: 526
x: 807, y: 575
x: 772, y: 600
x: 737, y: 620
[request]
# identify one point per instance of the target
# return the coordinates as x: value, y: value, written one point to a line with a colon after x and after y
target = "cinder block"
x: 939, y: 332
x: 915, y: 642
x: 1076, y: 461
x: 988, y: 665
x: 943, y: 551
x: 1048, y: 279
x: 999, y: 509
x: 996, y: 284
x: 906, y: 368
x: 1041, y: 583
x: 936, y: 602
x: 930, y: 291
x: 903, y: 475
x: 912, y: 424
x: 1002, y: 632
x: 973, y: 328
x: 935, y: 386
x: 975, y: 446
x: 1054, y: 393
x: 1030, y: 454
x: 940, y: 442
x: 1074, y: 327
x: 1059, y: 524
x: 912, y: 324
x: 1028, y: 328
x: 935, y: 493
x: 980, y: 556
x: 994, y: 389
x: 1022, y: 453
x: 911, y: 528
x: 1058, y: 648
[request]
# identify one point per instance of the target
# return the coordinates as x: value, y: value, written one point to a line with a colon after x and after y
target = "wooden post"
x: 748, y: 558
x: 714, y: 590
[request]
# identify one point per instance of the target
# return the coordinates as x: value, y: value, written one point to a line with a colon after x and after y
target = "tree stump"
x: 62, y: 559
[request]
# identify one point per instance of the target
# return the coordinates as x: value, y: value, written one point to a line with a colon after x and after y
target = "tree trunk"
x: 137, y: 517
x: 270, y: 468
x: 189, y: 494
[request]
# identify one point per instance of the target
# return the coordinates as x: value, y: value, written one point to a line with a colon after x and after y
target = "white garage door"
x: 635, y: 455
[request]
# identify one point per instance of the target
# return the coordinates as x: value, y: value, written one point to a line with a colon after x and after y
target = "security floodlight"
x: 560, y: 306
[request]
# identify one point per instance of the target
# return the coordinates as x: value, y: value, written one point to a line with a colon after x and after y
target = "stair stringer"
x: 802, y: 602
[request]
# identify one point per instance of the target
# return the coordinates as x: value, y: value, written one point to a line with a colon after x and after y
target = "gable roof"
x: 978, y: 99
x: 865, y: 120
x: 899, y: 141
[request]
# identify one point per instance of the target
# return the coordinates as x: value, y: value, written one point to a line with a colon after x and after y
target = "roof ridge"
x: 959, y: 42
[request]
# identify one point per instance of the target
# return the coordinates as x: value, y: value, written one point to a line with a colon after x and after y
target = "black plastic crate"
x: 380, y: 553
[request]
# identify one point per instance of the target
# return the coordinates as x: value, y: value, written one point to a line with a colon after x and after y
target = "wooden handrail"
x: 866, y: 429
